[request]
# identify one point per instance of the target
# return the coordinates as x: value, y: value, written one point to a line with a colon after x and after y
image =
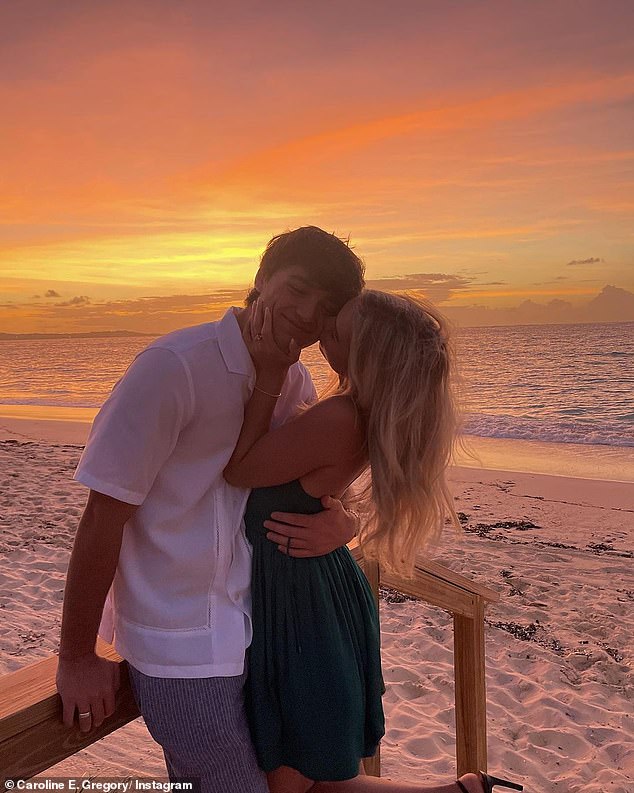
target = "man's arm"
x: 85, y: 681
x: 313, y: 535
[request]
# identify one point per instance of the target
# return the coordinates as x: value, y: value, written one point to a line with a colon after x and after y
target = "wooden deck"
x: 33, y: 738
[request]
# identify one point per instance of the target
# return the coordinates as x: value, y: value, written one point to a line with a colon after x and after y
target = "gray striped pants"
x: 201, y: 725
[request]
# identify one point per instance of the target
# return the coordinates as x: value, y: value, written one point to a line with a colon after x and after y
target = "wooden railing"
x: 33, y: 738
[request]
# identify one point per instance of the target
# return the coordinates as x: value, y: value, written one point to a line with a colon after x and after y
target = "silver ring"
x: 258, y: 337
x: 85, y: 715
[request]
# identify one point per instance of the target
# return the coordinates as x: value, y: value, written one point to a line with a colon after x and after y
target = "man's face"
x: 298, y: 307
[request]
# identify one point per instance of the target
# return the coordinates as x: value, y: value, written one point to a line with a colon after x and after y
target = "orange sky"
x: 481, y: 152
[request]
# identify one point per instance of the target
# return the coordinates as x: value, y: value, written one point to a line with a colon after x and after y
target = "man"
x: 161, y: 536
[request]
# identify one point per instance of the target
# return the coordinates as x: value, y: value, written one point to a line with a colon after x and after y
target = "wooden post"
x: 471, y: 721
x: 372, y: 765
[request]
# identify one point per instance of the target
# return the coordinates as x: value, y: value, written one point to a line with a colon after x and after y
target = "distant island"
x: 97, y: 334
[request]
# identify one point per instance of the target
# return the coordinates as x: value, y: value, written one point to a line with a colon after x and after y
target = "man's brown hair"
x: 329, y: 262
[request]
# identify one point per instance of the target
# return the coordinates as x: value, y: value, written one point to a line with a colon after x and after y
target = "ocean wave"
x: 610, y: 433
x: 612, y: 354
x: 73, y: 401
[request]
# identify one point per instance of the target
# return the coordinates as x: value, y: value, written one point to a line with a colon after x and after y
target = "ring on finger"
x: 86, y: 715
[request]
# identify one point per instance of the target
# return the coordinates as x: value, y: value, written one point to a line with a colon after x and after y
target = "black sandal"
x: 489, y: 782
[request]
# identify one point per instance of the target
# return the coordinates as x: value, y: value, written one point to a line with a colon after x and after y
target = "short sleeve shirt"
x: 179, y: 605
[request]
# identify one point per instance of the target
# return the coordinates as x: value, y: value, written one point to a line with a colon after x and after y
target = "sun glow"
x: 157, y: 161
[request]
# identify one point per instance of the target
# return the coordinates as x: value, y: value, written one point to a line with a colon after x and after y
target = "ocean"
x: 565, y: 384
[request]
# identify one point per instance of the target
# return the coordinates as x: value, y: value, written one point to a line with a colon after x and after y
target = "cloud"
x: 591, y: 260
x: 156, y: 314
x: 612, y: 304
x: 51, y: 293
x: 80, y: 300
x: 439, y: 287
x: 161, y: 314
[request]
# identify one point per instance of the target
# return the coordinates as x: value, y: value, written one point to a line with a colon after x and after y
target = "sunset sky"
x: 480, y: 151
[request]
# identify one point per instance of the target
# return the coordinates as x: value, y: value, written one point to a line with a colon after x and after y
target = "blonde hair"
x: 401, y: 377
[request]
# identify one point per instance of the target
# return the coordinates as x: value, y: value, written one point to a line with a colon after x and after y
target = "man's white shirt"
x: 180, y: 602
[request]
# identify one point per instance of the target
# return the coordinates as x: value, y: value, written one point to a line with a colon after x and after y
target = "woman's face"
x: 334, y: 341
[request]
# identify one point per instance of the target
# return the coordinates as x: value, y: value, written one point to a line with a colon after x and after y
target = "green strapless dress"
x: 315, y: 684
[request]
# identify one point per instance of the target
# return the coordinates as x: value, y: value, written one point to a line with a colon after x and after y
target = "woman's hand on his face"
x: 271, y: 363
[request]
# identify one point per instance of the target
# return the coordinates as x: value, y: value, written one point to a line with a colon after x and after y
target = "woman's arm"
x: 271, y: 367
x: 326, y: 435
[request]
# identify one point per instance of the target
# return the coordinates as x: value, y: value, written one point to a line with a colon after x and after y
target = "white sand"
x: 559, y: 642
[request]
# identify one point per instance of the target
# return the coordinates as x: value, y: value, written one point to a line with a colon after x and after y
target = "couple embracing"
x: 211, y: 551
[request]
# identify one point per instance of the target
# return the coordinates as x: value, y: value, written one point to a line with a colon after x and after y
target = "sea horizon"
x: 37, y: 336
x: 538, y: 398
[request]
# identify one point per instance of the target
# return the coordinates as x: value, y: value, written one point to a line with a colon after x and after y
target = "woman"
x: 314, y: 693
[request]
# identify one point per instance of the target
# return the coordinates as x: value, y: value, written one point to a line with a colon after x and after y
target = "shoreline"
x: 71, y: 426
x: 568, y: 460
x: 55, y: 425
x: 606, y: 493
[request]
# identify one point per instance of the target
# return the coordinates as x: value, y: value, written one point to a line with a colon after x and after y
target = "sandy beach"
x: 560, y: 644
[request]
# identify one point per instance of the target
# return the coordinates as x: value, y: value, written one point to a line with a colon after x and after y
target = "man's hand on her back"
x: 313, y: 535
x: 87, y: 684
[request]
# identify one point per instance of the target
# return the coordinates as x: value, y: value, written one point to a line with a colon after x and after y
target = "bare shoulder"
x: 338, y: 415
x: 339, y: 409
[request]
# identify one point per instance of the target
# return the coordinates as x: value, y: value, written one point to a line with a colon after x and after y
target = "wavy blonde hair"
x: 401, y: 377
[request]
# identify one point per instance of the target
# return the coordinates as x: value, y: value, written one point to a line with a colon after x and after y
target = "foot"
x: 472, y: 783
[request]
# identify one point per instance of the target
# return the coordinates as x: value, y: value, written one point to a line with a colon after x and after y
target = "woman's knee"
x: 288, y: 780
